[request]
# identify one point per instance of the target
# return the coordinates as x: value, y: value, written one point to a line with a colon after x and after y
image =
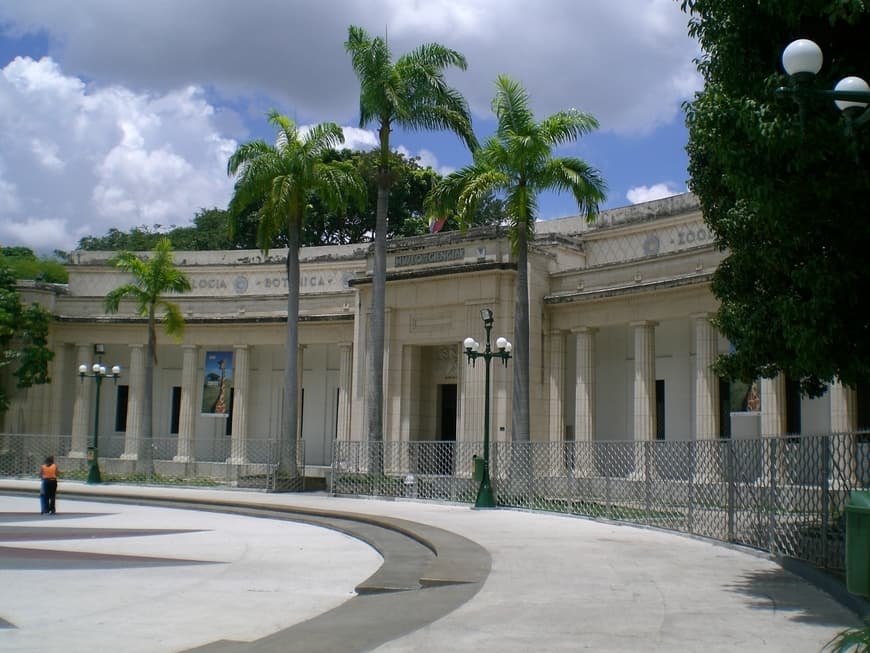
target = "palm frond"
x: 567, y: 126
x: 173, y: 318
x: 511, y: 107
x: 577, y: 177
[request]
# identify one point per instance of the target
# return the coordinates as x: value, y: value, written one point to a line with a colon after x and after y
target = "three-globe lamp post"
x: 802, y: 60
x: 98, y: 373
x: 474, y: 350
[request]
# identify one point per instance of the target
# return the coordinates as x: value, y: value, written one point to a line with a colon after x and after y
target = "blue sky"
x: 117, y: 114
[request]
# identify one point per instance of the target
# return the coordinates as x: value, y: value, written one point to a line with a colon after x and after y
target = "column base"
x: 237, y: 461
x: 182, y: 459
x: 129, y: 456
x: 75, y: 454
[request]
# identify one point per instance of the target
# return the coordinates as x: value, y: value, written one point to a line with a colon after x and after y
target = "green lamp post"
x: 473, y: 351
x: 98, y: 373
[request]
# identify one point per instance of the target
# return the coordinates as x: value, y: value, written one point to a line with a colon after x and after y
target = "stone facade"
x: 621, y: 343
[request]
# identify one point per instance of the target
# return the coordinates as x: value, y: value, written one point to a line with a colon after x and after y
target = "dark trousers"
x: 47, y: 496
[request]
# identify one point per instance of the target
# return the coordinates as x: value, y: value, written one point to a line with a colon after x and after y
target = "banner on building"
x: 218, y: 383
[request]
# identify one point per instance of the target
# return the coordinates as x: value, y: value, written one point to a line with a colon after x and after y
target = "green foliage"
x: 786, y: 198
x: 210, y: 231
x: 23, y: 339
x: 152, y: 278
x: 853, y: 640
x: 23, y: 263
x: 276, y: 186
x: 515, y: 165
x: 411, y: 92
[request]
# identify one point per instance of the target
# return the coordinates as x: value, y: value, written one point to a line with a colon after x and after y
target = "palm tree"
x: 280, y: 179
x: 410, y: 93
x: 153, y: 277
x: 517, y: 163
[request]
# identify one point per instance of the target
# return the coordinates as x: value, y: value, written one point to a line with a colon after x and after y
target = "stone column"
x: 773, y: 406
x: 773, y: 426
x: 706, y: 381
x: 61, y: 373
x: 644, y: 392
x: 644, y: 381
x: 844, y: 424
x: 135, y: 402
x: 241, y: 382
x: 83, y: 404
x: 556, y: 381
x: 345, y: 379
x: 584, y: 400
x: 187, y: 415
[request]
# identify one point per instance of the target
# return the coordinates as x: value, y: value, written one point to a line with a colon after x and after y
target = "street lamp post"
x: 98, y: 373
x: 802, y: 59
x: 474, y: 351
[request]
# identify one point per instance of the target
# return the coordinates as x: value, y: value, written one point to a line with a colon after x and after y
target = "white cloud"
x: 359, y: 139
x: 640, y: 194
x: 78, y: 160
x: 628, y: 62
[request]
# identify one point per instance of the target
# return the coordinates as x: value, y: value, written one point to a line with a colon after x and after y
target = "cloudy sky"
x: 117, y: 113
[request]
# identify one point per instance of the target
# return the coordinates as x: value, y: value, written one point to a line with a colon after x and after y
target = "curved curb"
x: 427, y: 573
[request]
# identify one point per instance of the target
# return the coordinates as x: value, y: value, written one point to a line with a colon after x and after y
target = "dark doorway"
x: 441, y: 461
x: 447, y: 404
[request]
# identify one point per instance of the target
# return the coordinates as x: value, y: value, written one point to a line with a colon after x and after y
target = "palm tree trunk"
x: 145, y: 449
x: 520, y: 465
x: 520, y: 426
x: 375, y: 384
x: 289, y: 427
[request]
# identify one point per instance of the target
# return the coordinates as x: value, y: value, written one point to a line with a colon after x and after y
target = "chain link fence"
x: 252, y: 463
x: 782, y: 495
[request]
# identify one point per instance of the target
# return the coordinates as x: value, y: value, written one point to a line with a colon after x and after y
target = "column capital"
x: 704, y: 315
x: 643, y: 323
x: 584, y: 329
x: 234, y: 346
x: 184, y: 346
x: 136, y: 345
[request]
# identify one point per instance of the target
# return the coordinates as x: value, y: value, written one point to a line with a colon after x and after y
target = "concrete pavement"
x: 147, y: 578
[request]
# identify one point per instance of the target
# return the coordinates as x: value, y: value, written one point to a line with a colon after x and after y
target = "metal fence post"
x: 647, y: 479
x: 693, y: 468
x: 730, y: 478
x: 827, y: 443
x: 771, y: 495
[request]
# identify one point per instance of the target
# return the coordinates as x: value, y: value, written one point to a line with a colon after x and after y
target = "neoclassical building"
x: 621, y: 346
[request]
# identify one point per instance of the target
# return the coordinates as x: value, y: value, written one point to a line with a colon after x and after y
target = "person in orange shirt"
x: 48, y: 471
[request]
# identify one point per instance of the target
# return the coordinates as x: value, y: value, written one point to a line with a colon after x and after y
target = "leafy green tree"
x: 139, y: 239
x: 153, y: 277
x: 210, y: 231
x: 785, y: 197
x: 517, y: 163
x: 280, y: 179
x: 23, y: 339
x: 410, y: 93
x: 23, y: 263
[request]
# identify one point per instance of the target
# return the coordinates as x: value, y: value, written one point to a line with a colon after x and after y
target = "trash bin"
x: 92, y: 454
x: 479, y: 467
x: 858, y: 543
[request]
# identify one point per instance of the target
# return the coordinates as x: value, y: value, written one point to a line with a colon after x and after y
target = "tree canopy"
x: 785, y: 193
x: 152, y: 278
x: 517, y: 164
x: 280, y: 182
x: 409, y: 92
x: 23, y: 340
x: 23, y: 263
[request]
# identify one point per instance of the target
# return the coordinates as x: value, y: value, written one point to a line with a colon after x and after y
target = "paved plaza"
x: 338, y: 574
